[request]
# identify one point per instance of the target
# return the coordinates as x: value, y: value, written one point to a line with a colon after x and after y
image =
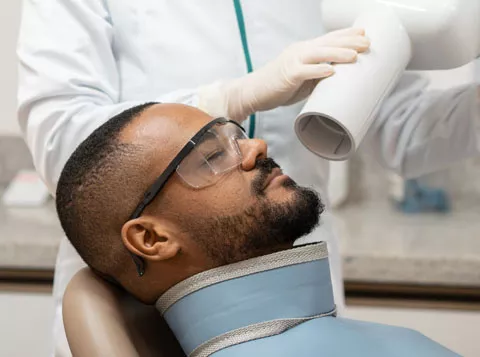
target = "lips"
x: 275, y: 173
x: 268, y: 169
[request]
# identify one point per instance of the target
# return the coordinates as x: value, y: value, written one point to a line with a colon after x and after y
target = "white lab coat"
x: 83, y: 61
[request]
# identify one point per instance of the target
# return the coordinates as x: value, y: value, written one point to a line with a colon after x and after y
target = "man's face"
x: 252, y: 209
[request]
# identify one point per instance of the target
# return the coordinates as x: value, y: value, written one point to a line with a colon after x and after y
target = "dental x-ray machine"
x: 404, y: 34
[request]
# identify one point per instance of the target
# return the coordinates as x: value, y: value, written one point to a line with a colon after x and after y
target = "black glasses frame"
x: 160, y: 182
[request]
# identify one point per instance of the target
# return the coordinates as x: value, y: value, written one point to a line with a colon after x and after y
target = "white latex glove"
x: 289, y: 78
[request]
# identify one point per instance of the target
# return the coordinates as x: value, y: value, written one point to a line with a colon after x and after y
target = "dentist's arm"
x: 69, y: 83
x: 68, y: 79
x: 419, y: 131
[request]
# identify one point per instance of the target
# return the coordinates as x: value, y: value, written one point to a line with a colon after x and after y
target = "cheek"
x: 230, y: 201
x: 229, y: 196
x: 232, y: 194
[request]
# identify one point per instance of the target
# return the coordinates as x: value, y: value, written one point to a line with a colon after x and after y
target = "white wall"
x: 456, y: 330
x: 26, y: 322
x: 9, y: 22
x: 477, y: 70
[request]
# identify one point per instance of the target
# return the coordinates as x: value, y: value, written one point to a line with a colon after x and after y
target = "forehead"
x: 170, y: 125
x: 163, y: 129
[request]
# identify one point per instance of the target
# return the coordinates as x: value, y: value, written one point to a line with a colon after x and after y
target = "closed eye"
x: 215, y: 155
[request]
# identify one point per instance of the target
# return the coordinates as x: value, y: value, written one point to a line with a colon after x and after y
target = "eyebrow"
x: 209, y: 140
x: 208, y: 136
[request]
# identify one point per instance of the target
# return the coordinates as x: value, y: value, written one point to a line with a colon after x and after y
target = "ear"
x: 150, y: 239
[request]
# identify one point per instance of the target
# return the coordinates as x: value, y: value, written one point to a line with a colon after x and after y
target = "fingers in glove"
x: 314, y: 71
x: 349, y: 31
x: 357, y: 43
x: 318, y: 55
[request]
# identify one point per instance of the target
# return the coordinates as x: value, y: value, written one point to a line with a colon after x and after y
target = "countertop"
x: 378, y: 244
x: 29, y: 237
x: 381, y: 245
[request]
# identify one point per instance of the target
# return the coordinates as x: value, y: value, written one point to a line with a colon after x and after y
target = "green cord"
x: 246, y: 52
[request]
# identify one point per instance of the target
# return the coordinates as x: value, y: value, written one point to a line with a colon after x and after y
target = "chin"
x: 281, y: 194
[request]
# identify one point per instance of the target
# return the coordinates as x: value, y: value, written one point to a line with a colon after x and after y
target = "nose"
x: 252, y: 149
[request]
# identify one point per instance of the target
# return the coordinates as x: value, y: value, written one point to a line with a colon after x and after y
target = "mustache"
x: 264, y: 167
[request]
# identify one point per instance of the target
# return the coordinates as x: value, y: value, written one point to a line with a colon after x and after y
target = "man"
x: 84, y: 61
x: 185, y: 211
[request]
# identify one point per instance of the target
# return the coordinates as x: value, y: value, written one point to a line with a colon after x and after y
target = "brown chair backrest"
x: 102, y: 320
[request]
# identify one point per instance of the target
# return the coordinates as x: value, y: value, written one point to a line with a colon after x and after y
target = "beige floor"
x: 25, y: 320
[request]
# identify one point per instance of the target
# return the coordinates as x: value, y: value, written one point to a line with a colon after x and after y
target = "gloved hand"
x: 289, y: 78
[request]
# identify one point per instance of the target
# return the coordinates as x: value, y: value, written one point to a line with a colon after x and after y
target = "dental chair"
x: 102, y: 320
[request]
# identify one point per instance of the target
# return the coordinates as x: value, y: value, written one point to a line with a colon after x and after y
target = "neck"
x: 289, y: 285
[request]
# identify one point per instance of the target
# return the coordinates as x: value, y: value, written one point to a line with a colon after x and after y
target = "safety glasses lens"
x: 216, y: 153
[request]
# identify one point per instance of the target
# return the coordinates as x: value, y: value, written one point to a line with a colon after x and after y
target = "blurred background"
x: 411, y: 250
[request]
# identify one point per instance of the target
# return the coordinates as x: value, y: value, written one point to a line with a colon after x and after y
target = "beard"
x: 265, y: 227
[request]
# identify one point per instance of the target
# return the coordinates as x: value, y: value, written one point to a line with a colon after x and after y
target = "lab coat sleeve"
x: 68, y: 79
x: 419, y: 131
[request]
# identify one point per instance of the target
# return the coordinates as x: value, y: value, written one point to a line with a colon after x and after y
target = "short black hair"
x: 97, y: 190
